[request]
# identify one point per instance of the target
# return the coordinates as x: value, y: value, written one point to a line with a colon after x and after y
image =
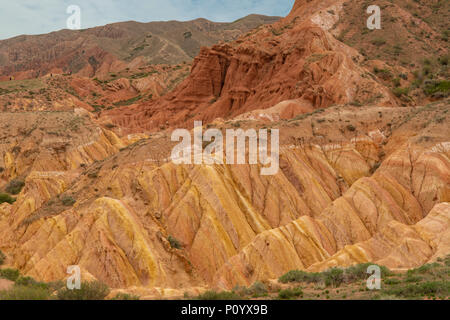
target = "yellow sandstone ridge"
x: 139, y: 223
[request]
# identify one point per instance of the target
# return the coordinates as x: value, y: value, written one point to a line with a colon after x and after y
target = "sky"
x: 19, y: 17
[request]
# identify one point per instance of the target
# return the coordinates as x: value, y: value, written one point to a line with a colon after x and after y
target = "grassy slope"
x: 429, y: 282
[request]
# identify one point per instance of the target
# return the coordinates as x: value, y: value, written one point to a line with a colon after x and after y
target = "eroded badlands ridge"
x: 292, y: 60
x: 324, y: 207
x: 364, y: 174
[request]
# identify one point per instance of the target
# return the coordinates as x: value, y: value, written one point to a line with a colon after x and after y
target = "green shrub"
x: 290, y: 293
x: 30, y: 282
x: 258, y: 289
x: 392, y: 281
x: 355, y: 103
x: 447, y: 261
x: 2, y: 258
x: 396, y: 82
x: 384, y: 74
x: 128, y: 102
x: 359, y: 271
x: 125, y: 296
x: 25, y: 293
x: 14, y: 186
x: 110, y: 126
x: 300, y: 276
x: 422, y: 289
x: 241, y: 291
x: 10, y: 274
x: 68, y: 201
x: 444, y: 60
x: 437, y: 87
x: 174, y: 243
x: 224, y: 295
x: 333, y: 277
x: 379, y: 42
x: 94, y: 290
x: 6, y: 198
x: 411, y: 278
x: 398, y: 92
x: 426, y: 268
x: 351, y: 128
x: 56, y: 285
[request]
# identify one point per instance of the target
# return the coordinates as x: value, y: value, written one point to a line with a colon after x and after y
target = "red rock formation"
x: 292, y: 59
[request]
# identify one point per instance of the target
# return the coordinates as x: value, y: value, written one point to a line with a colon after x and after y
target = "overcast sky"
x: 19, y: 17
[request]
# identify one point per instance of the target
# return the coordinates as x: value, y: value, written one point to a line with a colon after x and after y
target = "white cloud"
x: 34, y: 17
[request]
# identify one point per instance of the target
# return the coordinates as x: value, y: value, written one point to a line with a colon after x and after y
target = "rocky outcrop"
x: 291, y: 59
x: 139, y: 222
x: 380, y: 219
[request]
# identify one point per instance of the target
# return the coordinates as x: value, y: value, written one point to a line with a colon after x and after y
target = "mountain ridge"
x: 85, y: 51
x: 364, y: 170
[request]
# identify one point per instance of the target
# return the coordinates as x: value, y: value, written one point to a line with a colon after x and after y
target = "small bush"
x: 398, y: 92
x: 10, y: 274
x: 290, y: 293
x: 359, y: 272
x: 110, y: 126
x: 68, y: 201
x: 392, y: 281
x: 258, y: 289
x: 411, y: 278
x: 30, y: 282
x: 351, y: 128
x: 396, y: 82
x: 435, y: 87
x: 384, y: 74
x: 355, y: 103
x: 94, y: 290
x: 93, y: 175
x: 25, y: 293
x: 2, y: 258
x: 444, y: 60
x: 56, y: 285
x: 379, y: 42
x: 333, y: 277
x: 422, y: 289
x: 125, y: 296
x: 174, y: 243
x: 300, y: 276
x: 14, y: 186
x: 447, y: 261
x: 6, y: 198
x: 429, y: 268
x: 224, y: 295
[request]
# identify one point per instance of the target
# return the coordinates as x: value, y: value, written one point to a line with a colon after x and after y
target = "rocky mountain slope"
x: 364, y: 172
x: 301, y: 59
x: 131, y: 219
x: 292, y: 60
x: 97, y: 51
